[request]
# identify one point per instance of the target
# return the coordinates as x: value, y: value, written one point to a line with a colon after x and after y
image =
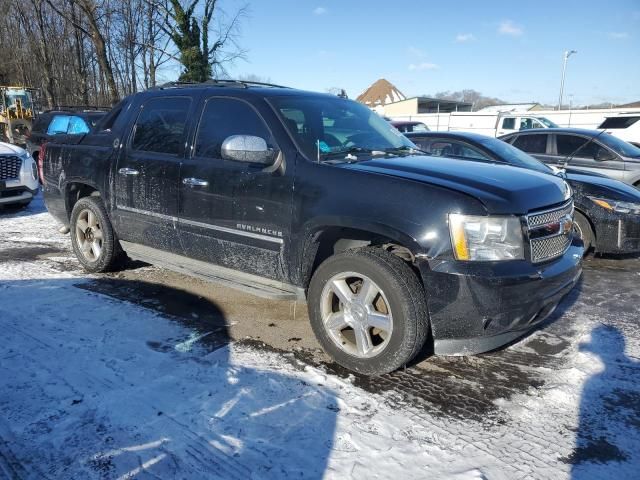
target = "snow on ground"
x: 95, y: 387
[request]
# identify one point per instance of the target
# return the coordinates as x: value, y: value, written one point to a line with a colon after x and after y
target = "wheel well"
x: 76, y: 191
x: 336, y: 240
x: 637, y: 184
x: 593, y: 228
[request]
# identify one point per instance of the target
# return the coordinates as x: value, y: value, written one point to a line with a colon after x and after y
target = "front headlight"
x: 476, y: 238
x: 29, y: 165
x: 617, y: 205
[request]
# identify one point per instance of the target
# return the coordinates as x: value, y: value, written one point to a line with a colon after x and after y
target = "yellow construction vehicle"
x: 17, y: 111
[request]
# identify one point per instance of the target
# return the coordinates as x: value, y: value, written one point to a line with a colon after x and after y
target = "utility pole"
x: 567, y: 54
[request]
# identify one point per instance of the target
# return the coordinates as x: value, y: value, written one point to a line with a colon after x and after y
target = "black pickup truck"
x: 297, y: 195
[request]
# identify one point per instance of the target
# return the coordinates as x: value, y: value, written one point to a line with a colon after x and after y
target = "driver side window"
x: 526, y: 124
x: 580, y: 147
x: 224, y: 117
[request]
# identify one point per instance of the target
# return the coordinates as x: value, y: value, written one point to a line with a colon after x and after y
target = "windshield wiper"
x: 349, y: 153
x: 404, y: 149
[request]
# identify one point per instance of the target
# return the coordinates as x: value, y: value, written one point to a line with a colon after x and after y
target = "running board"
x: 246, y: 282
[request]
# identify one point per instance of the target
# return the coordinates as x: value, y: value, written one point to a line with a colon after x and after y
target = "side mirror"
x: 247, y: 148
x: 603, y: 155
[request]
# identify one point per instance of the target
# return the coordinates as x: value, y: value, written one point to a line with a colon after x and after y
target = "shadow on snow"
x: 608, y: 433
x: 96, y: 387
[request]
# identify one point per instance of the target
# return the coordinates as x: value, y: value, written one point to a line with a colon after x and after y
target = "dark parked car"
x: 607, y: 215
x: 60, y: 122
x: 298, y: 195
x: 592, y: 150
x: 407, y: 126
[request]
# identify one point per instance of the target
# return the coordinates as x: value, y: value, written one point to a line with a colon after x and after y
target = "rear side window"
x: 568, y: 144
x: 108, y: 121
x: 59, y: 124
x: 509, y: 123
x: 160, y: 127
x: 528, y: 123
x: 224, y: 117
x: 41, y: 123
x: 77, y: 126
x: 531, y: 143
x: 619, y: 122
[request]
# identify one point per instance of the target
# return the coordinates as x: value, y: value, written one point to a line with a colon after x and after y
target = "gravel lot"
x: 149, y: 374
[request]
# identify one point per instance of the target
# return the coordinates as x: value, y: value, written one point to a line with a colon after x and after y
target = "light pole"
x: 567, y: 54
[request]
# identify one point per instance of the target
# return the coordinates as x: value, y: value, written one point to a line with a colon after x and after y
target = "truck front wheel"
x: 368, y: 310
x: 92, y: 237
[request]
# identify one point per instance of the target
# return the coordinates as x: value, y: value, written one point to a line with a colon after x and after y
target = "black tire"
x: 582, y: 228
x: 110, y: 251
x: 407, y: 304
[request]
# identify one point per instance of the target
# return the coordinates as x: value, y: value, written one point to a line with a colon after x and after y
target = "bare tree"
x: 190, y: 35
x: 475, y: 98
x: 94, y: 52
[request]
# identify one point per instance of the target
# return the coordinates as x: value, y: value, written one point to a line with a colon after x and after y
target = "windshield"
x: 513, y: 156
x: 619, y: 146
x: 547, y: 123
x: 324, y: 126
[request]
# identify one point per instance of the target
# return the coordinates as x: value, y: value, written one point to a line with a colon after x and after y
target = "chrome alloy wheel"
x: 356, y: 314
x: 89, y: 235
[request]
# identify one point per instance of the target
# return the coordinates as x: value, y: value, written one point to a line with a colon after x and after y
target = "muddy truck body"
x: 303, y: 196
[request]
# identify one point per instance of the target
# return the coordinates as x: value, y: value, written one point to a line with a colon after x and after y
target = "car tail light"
x: 43, y: 151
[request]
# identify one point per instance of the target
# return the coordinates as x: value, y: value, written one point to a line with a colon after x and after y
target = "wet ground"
x: 463, y: 387
x: 473, y: 389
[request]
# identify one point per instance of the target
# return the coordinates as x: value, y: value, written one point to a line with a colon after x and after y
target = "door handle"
x: 128, y: 171
x: 195, y: 182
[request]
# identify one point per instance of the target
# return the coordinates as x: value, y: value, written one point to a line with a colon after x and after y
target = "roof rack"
x: 76, y: 108
x: 218, y: 83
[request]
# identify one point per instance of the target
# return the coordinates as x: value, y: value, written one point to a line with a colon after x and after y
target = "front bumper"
x: 617, y: 233
x: 9, y: 195
x: 479, y: 307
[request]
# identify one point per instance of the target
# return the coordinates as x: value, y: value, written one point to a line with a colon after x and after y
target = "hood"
x: 8, y: 149
x: 503, y: 189
x: 587, y: 184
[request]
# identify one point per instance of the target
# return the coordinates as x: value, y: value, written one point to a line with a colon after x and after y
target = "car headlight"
x: 476, y: 238
x: 617, y: 205
x: 569, y: 191
x: 30, y: 164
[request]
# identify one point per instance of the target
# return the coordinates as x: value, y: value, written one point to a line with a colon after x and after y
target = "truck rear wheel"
x: 92, y: 237
x: 368, y: 310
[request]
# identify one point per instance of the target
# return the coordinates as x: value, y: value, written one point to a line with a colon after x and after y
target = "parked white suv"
x: 625, y: 126
x: 18, y: 176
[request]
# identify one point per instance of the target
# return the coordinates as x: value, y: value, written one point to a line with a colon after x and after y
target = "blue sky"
x: 512, y: 50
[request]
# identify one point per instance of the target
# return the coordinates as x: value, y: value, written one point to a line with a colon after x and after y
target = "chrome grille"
x: 550, y: 233
x: 551, y: 216
x: 10, y: 167
x: 549, y: 247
